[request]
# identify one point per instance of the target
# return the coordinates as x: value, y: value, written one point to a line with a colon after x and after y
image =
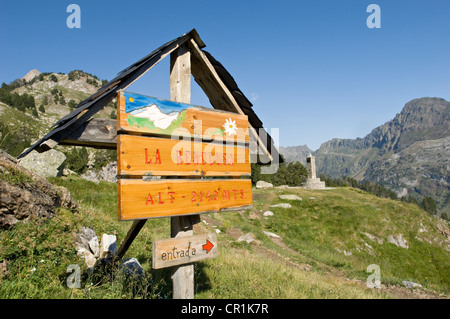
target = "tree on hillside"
x: 429, y: 205
x: 291, y: 174
x: 72, y: 104
x: 77, y: 159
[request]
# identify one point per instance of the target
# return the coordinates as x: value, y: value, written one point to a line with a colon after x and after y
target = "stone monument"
x: 312, y: 182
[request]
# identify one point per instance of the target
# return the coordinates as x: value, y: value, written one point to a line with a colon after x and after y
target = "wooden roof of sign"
x: 211, y: 76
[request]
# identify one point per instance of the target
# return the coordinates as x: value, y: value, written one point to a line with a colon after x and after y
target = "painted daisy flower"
x: 230, y: 127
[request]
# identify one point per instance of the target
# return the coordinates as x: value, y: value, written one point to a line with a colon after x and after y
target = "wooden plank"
x: 138, y: 155
x: 140, y: 199
x: 183, y: 250
x: 131, y: 235
x: 148, y: 115
x: 180, y: 91
x: 99, y: 133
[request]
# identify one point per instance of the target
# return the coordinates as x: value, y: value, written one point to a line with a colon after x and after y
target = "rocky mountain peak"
x: 30, y: 75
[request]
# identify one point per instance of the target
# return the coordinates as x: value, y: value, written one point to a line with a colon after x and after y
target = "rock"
x: 398, y: 241
x: 132, y: 267
x: 268, y: 213
x: 263, y: 184
x: 25, y: 195
x: 444, y: 230
x: 31, y: 75
x: 90, y: 175
x: 82, y: 238
x: 282, y: 205
x: 314, y: 183
x: 410, y: 284
x: 108, y: 246
x: 290, y: 197
x: 67, y: 172
x: 246, y: 237
x: 108, y: 173
x: 373, y: 238
x: 90, y: 259
x: 65, y: 199
x: 47, y: 164
x: 272, y: 235
x: 253, y: 215
x: 95, y: 246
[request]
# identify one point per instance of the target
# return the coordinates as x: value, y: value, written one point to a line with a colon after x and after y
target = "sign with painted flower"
x: 151, y: 116
x: 166, y: 138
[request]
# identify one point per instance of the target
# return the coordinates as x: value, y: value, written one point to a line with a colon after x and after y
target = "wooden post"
x: 180, y: 91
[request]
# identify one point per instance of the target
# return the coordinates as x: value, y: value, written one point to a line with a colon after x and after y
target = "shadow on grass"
x: 110, y: 281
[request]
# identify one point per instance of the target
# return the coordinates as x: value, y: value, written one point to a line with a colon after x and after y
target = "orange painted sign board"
x: 139, y: 199
x: 141, y: 155
x: 151, y: 116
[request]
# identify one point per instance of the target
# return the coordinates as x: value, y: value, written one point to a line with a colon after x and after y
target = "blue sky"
x: 313, y: 69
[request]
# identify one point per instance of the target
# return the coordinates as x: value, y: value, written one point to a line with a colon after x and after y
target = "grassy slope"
x: 303, y: 264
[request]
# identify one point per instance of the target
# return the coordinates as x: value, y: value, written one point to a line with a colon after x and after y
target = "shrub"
x: 429, y: 205
x: 77, y: 159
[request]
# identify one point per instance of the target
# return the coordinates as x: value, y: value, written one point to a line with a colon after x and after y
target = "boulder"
x: 247, y: 238
x: 263, y: 184
x: 83, y: 238
x: 25, y: 195
x: 108, y: 246
x: 132, y: 267
x: 107, y: 173
x: 410, y: 284
x: 282, y: 205
x: 271, y: 235
x: 290, y: 197
x: 95, y: 246
x: 268, y: 213
x: 47, y: 164
x: 398, y: 241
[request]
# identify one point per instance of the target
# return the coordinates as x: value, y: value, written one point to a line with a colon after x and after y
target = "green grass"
x: 339, y: 218
x: 14, y: 176
x: 39, y: 252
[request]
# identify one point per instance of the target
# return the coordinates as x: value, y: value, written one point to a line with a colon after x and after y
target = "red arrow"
x: 208, y: 246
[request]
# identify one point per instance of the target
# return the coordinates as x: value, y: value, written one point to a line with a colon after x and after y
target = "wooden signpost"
x: 166, y: 157
x: 154, y: 154
x: 168, y: 153
x: 176, y: 197
x: 174, y: 159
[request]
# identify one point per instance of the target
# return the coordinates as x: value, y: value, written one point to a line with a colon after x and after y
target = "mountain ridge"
x: 408, y: 154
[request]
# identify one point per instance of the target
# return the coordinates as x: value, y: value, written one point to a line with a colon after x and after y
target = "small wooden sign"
x: 177, y: 251
x: 139, y: 199
x: 139, y: 155
x: 148, y: 115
